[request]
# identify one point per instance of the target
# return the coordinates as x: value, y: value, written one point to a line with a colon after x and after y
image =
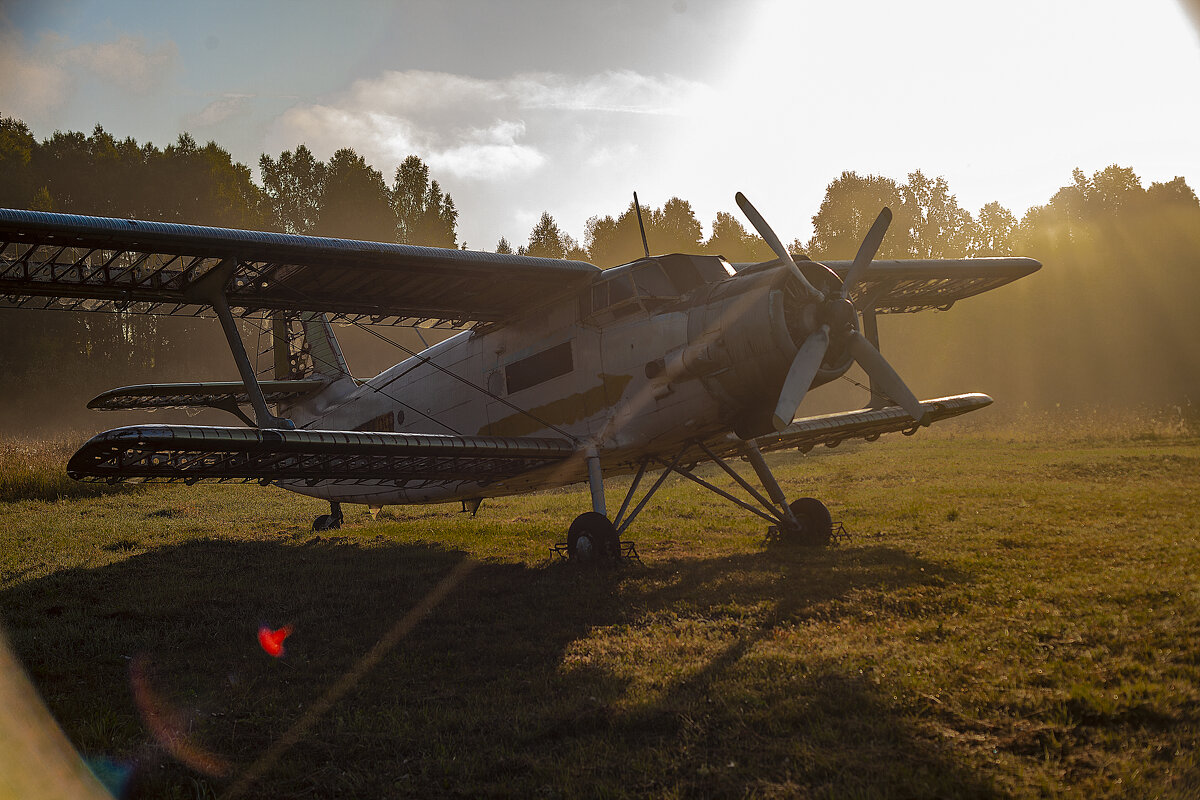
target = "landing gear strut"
x: 330, y: 521
x: 802, y: 522
x: 592, y: 537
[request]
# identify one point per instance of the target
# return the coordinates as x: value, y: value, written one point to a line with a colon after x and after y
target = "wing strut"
x: 211, y: 289
x: 870, y: 329
x: 870, y: 325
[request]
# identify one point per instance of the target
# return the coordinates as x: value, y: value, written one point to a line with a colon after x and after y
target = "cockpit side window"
x: 620, y: 288
x: 616, y: 291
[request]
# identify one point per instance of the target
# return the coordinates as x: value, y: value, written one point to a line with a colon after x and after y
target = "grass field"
x: 1014, y: 614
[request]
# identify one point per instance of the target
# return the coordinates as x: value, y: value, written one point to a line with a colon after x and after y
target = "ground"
x: 1012, y: 615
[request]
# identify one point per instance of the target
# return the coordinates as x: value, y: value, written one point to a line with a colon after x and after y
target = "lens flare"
x: 169, y: 726
x: 272, y: 641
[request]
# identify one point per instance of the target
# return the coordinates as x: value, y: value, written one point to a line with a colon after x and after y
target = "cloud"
x: 231, y: 105
x: 490, y: 152
x: 32, y: 82
x: 614, y: 91
x: 128, y: 62
x: 39, y: 77
x: 607, y: 156
x: 474, y: 128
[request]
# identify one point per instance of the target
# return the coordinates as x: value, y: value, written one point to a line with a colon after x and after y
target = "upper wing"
x: 192, y: 453
x: 868, y: 423
x: 900, y: 286
x: 96, y: 263
x: 893, y: 287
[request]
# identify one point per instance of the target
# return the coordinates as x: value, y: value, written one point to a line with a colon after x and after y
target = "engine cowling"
x: 741, y: 339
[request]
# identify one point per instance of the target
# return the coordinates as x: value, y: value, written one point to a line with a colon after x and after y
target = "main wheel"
x: 592, y: 538
x: 327, y: 522
x: 330, y: 521
x: 816, y: 526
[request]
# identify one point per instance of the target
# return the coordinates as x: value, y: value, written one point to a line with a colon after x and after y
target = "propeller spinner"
x: 841, y: 324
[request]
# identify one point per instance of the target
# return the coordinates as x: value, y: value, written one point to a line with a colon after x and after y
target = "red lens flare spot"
x: 272, y: 641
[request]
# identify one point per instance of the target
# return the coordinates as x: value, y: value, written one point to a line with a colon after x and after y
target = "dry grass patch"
x: 37, y: 470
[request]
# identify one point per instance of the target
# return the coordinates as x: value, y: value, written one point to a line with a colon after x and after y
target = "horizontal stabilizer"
x: 191, y: 453
x: 868, y: 423
x: 199, y: 395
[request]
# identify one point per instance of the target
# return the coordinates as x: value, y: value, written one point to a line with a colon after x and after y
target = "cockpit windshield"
x: 659, y: 278
x: 651, y: 281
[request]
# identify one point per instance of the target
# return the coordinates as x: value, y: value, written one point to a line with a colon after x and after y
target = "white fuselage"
x: 624, y: 380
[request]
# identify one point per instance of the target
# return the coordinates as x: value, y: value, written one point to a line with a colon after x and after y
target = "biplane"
x: 560, y: 372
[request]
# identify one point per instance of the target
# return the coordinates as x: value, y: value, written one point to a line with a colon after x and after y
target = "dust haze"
x: 1109, y: 322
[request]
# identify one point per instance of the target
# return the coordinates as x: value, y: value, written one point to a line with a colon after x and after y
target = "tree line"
x: 1110, y: 319
x: 348, y: 198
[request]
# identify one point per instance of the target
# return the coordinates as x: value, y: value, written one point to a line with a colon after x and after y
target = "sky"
x: 568, y: 107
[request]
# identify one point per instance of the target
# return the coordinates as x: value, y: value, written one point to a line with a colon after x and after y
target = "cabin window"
x: 538, y: 368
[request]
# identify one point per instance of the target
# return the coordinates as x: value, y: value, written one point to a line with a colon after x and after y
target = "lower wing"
x: 191, y: 453
x: 868, y: 423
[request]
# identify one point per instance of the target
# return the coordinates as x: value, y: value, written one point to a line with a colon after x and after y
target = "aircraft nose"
x: 841, y: 315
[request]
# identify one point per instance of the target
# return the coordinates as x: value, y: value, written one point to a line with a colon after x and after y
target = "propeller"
x: 841, y: 323
x: 881, y: 372
x: 764, y: 230
x: 867, y: 251
x: 800, y: 376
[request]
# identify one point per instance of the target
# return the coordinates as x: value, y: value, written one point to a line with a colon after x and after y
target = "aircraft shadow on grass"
x: 488, y: 694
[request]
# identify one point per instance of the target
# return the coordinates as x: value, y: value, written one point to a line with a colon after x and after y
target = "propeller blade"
x: 800, y: 376
x: 867, y: 251
x: 768, y: 235
x: 881, y: 373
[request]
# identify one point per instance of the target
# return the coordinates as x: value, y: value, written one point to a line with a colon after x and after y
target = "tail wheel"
x: 816, y: 525
x: 592, y: 539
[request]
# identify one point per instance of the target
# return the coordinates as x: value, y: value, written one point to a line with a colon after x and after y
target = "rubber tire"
x: 816, y: 525
x: 326, y: 522
x: 592, y: 539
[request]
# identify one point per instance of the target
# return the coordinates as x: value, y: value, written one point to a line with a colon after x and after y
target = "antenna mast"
x: 641, y: 227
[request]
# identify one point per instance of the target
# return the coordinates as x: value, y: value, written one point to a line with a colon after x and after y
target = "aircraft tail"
x: 305, y: 347
x: 310, y: 376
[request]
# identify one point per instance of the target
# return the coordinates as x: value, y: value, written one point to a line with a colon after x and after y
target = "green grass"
x: 37, y: 470
x: 1013, y: 616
